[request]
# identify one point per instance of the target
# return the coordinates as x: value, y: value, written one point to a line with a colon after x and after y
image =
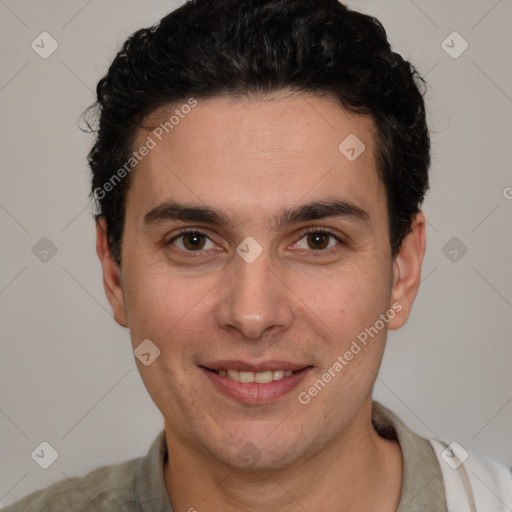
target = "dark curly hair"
x: 238, y: 48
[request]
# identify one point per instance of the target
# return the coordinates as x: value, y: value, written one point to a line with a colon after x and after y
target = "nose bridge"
x: 255, y: 298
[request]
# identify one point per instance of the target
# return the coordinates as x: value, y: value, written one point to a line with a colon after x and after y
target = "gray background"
x: 67, y: 372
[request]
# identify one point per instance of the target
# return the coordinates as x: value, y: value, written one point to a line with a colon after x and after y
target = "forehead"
x: 256, y: 154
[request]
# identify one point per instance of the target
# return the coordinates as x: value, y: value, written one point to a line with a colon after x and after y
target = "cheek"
x: 350, y: 305
x: 346, y: 300
x: 161, y: 302
x: 171, y: 311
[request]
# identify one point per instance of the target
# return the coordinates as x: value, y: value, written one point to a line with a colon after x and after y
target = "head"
x: 284, y: 130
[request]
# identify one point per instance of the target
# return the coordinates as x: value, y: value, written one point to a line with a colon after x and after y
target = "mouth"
x: 258, y: 377
x: 255, y: 384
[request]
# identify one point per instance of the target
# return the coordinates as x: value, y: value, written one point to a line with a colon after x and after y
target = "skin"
x: 249, y: 159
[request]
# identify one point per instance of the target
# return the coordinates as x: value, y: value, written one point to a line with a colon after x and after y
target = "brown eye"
x: 193, y: 241
x: 318, y: 240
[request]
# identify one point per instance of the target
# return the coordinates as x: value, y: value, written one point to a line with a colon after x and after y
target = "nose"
x: 254, y: 299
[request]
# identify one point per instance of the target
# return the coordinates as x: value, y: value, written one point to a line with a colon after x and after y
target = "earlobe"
x: 407, y: 271
x: 111, y: 274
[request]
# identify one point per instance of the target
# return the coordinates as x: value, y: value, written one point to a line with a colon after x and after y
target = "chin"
x: 255, y: 453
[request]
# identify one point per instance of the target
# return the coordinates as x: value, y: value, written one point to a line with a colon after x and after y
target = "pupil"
x: 194, y: 241
x: 316, y: 239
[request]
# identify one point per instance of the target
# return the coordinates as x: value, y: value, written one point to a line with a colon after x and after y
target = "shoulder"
x: 107, y: 488
x: 422, y: 481
x: 473, y: 479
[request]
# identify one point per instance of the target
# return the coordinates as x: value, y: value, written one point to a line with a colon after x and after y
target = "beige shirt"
x: 138, y: 484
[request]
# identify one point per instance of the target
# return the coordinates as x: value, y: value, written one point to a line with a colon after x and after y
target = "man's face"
x: 207, y: 304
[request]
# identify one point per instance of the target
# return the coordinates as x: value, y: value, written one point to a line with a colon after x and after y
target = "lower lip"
x: 253, y: 393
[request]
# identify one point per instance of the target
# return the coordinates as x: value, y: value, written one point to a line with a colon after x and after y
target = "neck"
x: 358, y: 469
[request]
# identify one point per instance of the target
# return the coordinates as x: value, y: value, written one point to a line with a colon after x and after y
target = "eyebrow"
x: 173, y: 210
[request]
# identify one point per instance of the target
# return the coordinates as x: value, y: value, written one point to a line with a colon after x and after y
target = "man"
x: 259, y: 170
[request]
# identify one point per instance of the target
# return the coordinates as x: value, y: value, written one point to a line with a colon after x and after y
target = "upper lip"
x: 245, y: 366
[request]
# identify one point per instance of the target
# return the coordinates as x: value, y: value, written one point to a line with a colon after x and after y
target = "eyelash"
x: 320, y: 252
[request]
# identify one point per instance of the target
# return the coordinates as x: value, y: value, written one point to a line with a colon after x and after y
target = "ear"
x: 407, y: 271
x: 111, y: 274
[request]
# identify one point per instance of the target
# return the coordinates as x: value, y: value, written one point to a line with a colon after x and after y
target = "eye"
x: 318, y: 240
x: 192, y: 241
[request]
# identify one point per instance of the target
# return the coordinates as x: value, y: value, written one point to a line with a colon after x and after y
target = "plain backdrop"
x: 68, y: 375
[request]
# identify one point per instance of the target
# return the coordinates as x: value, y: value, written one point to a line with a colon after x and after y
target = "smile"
x: 258, y: 377
x: 255, y: 387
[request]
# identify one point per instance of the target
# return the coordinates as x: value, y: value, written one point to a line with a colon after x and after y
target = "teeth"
x: 246, y: 377
x: 234, y: 375
x: 277, y: 374
x: 258, y: 377
x: 263, y: 377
